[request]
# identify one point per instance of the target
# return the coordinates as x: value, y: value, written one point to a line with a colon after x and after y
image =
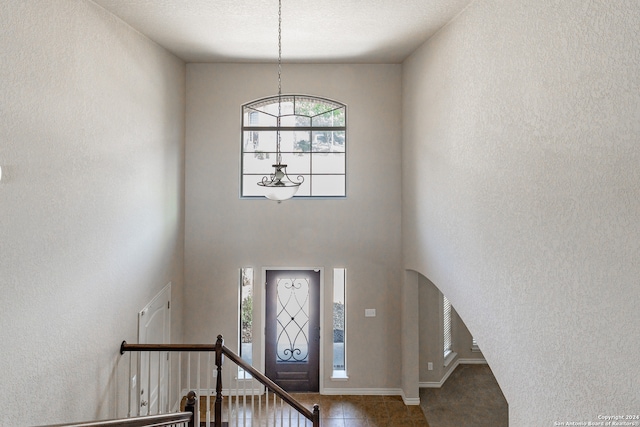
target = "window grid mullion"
x: 261, y: 106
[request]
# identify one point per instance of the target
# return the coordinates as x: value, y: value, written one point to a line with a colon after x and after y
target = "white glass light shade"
x: 280, y: 193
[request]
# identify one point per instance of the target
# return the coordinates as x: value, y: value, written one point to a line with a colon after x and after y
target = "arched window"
x: 313, y: 144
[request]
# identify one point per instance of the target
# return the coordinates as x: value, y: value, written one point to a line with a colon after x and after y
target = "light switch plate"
x: 369, y: 312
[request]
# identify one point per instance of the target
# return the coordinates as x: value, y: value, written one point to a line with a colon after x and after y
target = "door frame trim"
x: 165, y: 291
x: 263, y: 320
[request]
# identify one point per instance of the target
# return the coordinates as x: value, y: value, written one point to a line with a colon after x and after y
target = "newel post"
x: 217, y: 422
x: 316, y: 416
x: 190, y: 406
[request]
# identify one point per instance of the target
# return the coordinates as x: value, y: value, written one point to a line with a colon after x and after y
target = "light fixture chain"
x: 279, y: 186
x: 278, y: 137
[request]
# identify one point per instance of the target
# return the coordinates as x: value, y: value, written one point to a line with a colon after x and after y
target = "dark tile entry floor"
x: 470, y: 397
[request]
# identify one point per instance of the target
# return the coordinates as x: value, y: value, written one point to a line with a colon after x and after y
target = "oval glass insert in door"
x: 292, y: 319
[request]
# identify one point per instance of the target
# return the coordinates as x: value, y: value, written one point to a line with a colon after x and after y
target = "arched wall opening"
x: 424, y: 362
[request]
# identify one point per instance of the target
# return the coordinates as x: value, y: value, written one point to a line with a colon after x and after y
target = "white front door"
x: 154, y: 327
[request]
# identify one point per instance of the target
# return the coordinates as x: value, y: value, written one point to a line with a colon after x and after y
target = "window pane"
x: 287, y: 121
x: 258, y: 162
x: 336, y: 141
x: 305, y: 187
x: 250, y: 141
x: 250, y: 187
x: 303, y: 121
x: 321, y: 142
x: 328, y: 185
x: 329, y: 163
x: 288, y: 140
x: 301, y: 141
x: 308, y: 106
x: 330, y: 118
x: 297, y: 163
x: 246, y: 314
x: 259, y: 141
x: 270, y: 106
x: 252, y: 117
x: 339, y: 282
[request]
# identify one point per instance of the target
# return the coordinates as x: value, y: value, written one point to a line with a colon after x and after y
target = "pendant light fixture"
x: 278, y: 186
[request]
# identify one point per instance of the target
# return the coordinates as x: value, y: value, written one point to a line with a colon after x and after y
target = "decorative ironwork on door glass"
x: 292, y: 342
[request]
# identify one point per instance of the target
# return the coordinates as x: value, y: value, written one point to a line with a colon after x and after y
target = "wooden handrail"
x: 144, y: 421
x: 166, y: 347
x: 269, y: 383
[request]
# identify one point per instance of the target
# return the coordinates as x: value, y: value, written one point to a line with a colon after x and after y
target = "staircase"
x: 166, y: 378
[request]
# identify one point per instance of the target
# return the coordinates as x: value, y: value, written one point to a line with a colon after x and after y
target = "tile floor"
x: 364, y: 411
x: 471, y: 397
x: 335, y: 411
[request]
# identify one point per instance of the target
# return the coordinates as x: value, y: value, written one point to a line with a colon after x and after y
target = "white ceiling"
x: 363, y: 31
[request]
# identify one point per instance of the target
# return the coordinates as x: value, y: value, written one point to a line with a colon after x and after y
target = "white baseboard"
x: 410, y: 401
x: 452, y: 367
x: 472, y: 362
x: 363, y: 391
x: 373, y: 392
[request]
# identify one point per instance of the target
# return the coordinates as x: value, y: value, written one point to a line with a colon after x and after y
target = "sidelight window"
x: 339, y: 323
x: 246, y: 315
x: 446, y: 315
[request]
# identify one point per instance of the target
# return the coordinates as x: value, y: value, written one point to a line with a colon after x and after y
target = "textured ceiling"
x: 375, y: 31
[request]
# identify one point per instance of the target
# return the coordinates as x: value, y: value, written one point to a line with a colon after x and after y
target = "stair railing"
x: 177, y: 419
x: 246, y: 405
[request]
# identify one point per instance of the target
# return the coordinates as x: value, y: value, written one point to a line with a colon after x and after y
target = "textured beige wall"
x: 521, y: 196
x: 91, y: 131
x: 360, y: 233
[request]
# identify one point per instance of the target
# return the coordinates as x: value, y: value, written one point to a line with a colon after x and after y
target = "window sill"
x: 449, y: 358
x: 339, y: 376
